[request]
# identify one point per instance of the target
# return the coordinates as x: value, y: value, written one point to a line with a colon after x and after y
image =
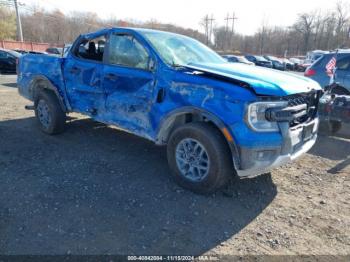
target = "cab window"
x: 91, y: 49
x: 125, y: 50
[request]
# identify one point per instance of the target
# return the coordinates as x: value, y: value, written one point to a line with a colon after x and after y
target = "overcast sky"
x: 187, y: 13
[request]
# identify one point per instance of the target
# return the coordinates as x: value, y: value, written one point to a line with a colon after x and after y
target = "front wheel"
x: 199, y: 157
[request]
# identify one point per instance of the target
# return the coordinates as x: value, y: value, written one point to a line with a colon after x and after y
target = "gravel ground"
x: 97, y: 190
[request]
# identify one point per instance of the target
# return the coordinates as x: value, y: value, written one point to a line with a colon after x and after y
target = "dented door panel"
x: 83, y: 85
x: 129, y: 95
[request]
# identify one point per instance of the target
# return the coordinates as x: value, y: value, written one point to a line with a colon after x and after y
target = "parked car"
x: 288, y: 64
x: 37, y: 53
x: 312, y: 56
x: 217, y: 119
x: 304, y: 65
x: 237, y: 59
x: 21, y: 51
x: 276, y: 63
x: 297, y: 64
x: 259, y: 60
x: 335, y: 104
x: 317, y: 71
x: 8, y: 61
x: 54, y: 50
x: 66, y: 49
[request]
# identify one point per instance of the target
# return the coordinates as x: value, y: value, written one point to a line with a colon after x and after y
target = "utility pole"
x: 206, y: 25
x: 19, y: 24
x: 226, y: 30
x: 211, y: 27
x: 233, y: 24
x: 227, y: 19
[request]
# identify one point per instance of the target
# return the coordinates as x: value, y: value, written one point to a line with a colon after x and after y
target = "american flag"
x: 331, y: 66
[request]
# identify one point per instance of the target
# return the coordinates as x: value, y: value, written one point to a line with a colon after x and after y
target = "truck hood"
x: 264, y: 81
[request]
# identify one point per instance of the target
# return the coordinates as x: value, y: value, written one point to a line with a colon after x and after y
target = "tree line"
x: 324, y: 30
x: 55, y: 27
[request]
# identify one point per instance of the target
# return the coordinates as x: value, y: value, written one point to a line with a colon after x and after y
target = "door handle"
x: 74, y: 70
x: 111, y: 77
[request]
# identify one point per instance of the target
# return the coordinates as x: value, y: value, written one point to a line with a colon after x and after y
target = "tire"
x: 219, y: 166
x: 49, y: 114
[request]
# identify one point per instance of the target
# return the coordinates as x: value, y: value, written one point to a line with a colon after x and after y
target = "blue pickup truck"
x: 217, y: 119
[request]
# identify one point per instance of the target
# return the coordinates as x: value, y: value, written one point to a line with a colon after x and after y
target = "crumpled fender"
x: 34, y: 85
x: 163, y: 131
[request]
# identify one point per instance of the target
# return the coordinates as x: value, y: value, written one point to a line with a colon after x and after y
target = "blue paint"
x: 264, y: 81
x: 221, y: 90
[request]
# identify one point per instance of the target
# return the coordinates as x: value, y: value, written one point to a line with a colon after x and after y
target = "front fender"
x: 167, y: 123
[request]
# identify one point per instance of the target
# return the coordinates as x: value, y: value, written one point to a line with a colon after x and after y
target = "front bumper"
x: 296, y: 141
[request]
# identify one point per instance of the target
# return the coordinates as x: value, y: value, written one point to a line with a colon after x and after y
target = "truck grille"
x: 310, y: 100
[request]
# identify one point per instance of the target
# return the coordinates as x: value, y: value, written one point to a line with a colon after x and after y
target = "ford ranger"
x: 217, y: 119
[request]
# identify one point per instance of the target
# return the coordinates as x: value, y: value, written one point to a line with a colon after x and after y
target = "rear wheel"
x: 199, y: 158
x: 49, y: 114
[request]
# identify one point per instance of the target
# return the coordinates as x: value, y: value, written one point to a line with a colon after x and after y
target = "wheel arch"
x: 189, y: 114
x: 39, y: 83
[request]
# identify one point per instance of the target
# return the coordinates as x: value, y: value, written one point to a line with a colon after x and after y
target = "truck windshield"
x: 177, y: 50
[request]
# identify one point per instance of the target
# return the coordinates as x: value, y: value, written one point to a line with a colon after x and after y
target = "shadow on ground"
x: 8, y: 80
x: 97, y: 190
x: 335, y: 147
x: 14, y: 85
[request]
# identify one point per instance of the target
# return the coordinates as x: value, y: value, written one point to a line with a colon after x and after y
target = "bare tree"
x: 314, y: 30
x: 342, y: 18
x: 304, y: 25
x: 7, y: 24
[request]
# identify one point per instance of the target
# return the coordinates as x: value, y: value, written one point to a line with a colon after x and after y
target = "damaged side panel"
x: 83, y: 81
x: 222, y: 100
x: 132, y: 99
x: 42, y: 71
x: 128, y: 99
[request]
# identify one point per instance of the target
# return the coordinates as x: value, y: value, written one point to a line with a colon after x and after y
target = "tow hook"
x: 29, y: 107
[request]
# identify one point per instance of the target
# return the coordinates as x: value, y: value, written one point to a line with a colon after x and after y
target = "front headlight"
x: 256, y: 116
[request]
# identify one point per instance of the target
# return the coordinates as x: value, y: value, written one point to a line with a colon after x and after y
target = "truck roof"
x: 134, y: 29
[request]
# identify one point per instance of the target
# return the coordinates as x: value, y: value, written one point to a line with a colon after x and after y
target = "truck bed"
x: 32, y: 67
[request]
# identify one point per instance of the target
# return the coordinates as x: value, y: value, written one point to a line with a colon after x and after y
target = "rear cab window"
x: 91, y: 49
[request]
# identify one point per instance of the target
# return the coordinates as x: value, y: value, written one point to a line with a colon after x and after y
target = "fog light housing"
x: 265, y: 155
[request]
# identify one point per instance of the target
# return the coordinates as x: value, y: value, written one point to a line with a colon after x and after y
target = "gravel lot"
x: 97, y: 190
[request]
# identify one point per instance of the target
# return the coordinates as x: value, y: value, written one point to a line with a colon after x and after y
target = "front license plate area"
x: 308, y: 132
